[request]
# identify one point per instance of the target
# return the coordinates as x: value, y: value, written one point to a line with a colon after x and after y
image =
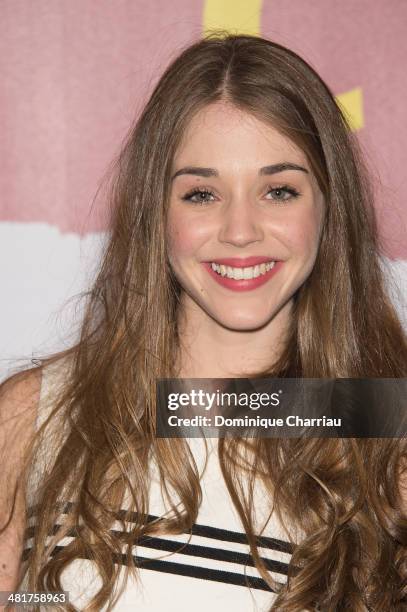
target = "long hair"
x: 343, y: 493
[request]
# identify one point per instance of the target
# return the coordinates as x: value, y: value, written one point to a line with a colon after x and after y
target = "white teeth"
x: 243, y: 273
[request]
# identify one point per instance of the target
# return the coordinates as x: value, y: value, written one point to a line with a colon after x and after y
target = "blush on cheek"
x: 304, y: 234
x: 184, y: 238
x: 180, y: 244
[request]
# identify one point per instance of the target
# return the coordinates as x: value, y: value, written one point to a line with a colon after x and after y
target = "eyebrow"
x: 265, y: 171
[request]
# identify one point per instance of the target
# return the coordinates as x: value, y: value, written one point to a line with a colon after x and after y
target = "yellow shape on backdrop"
x: 351, y: 103
x: 234, y: 16
x: 243, y: 17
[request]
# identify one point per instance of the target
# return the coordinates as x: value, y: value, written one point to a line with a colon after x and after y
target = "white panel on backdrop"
x: 41, y: 272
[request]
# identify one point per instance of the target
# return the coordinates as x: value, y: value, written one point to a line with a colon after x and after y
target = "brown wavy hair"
x: 344, y: 493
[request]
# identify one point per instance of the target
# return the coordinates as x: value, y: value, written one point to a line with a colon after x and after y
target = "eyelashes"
x: 205, y: 194
x: 198, y: 191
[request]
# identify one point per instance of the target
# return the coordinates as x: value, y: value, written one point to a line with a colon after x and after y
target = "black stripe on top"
x: 192, y: 550
x: 205, y: 531
x: 181, y: 569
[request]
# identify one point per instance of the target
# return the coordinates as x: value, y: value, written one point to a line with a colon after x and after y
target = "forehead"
x: 221, y: 132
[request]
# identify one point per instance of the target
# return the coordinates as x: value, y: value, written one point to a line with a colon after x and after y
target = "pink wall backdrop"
x: 75, y: 74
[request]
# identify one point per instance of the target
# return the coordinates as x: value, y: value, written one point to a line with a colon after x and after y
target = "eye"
x: 283, y: 193
x: 198, y: 196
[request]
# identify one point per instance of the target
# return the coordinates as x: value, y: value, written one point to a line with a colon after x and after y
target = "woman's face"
x: 231, y: 202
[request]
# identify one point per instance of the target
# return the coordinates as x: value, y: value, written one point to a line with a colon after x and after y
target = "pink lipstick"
x: 241, y: 262
x: 243, y: 284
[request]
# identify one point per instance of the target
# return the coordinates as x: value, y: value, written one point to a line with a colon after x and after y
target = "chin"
x: 243, y: 322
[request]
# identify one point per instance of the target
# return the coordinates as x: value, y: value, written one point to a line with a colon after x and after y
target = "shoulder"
x: 19, y: 401
x: 26, y: 399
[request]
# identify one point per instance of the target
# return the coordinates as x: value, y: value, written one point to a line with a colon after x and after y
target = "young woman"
x: 241, y: 159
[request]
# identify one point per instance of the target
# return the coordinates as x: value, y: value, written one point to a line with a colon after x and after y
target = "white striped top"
x: 210, y: 569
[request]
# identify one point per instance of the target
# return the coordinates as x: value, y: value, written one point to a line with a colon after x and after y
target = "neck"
x: 210, y: 350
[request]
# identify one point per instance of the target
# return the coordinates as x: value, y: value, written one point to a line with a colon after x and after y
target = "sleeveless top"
x: 211, y: 570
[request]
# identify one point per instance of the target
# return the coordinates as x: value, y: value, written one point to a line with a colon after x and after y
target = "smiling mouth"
x: 240, y: 273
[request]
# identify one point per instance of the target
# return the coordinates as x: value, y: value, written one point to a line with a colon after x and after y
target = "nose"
x: 239, y: 224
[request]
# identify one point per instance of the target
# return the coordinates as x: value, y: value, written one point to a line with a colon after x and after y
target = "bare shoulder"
x: 19, y: 401
x: 20, y: 392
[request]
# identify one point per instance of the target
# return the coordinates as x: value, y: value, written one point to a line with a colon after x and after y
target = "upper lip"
x: 242, y: 262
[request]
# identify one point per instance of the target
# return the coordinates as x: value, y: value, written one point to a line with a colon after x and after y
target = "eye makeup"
x: 206, y: 193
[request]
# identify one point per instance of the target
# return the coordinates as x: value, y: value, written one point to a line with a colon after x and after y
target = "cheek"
x: 184, y: 236
x: 301, y: 233
x: 306, y: 238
